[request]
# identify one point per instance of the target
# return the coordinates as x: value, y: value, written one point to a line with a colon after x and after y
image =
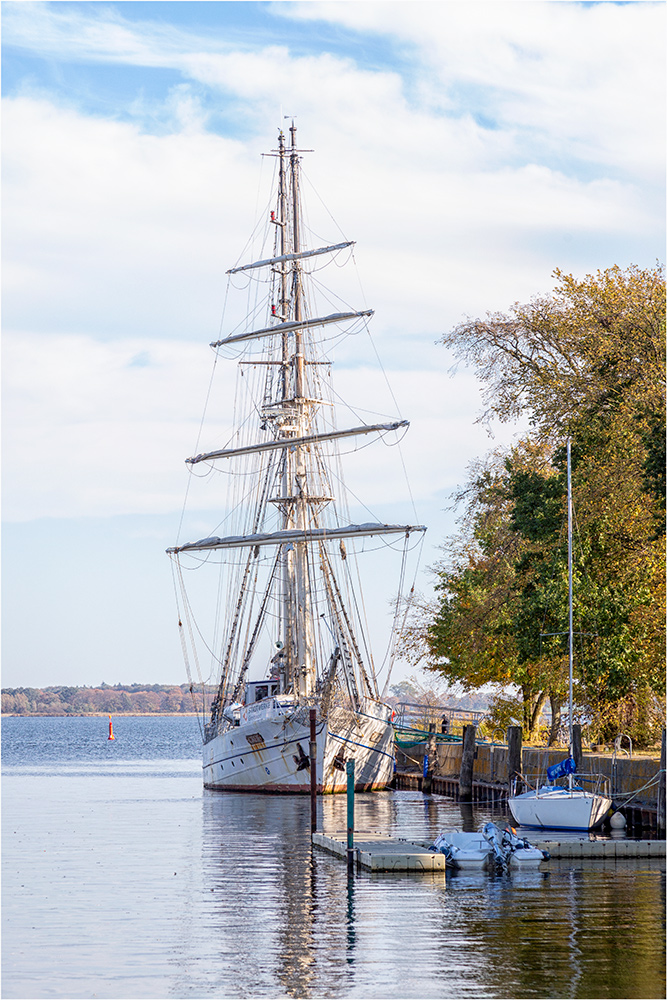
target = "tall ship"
x: 292, y: 677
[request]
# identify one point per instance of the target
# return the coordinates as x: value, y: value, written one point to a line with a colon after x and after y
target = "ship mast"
x: 304, y: 679
x: 296, y: 610
x: 284, y: 313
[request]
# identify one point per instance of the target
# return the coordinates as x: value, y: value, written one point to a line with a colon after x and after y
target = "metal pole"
x: 349, y: 770
x: 313, y: 771
x: 569, y: 590
x: 570, y: 644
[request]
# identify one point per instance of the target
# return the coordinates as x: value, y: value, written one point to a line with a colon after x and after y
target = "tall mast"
x: 569, y: 593
x: 303, y: 645
x: 283, y: 309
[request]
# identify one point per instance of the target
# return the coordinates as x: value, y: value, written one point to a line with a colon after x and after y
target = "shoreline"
x: 98, y: 715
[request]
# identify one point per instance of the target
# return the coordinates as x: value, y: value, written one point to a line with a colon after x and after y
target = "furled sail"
x: 287, y: 257
x: 306, y: 324
x: 295, y: 442
x: 297, y: 535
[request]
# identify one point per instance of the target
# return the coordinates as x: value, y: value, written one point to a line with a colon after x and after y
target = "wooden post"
x: 661, y: 787
x: 467, y: 817
x: 349, y: 769
x: 429, y: 760
x: 576, y: 746
x: 467, y: 764
x: 514, y: 766
x: 313, y: 770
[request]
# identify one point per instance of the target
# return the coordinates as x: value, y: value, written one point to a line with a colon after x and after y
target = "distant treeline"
x: 120, y: 699
x: 142, y: 699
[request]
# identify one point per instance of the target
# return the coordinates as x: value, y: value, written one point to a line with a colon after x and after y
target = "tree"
x: 588, y: 363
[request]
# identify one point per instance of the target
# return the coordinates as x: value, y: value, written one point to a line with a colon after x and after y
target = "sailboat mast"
x: 303, y: 625
x: 569, y: 593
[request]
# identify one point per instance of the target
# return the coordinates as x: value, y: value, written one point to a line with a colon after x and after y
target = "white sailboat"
x: 290, y: 634
x: 584, y: 802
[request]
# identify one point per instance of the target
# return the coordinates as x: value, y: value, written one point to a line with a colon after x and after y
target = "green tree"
x: 586, y: 362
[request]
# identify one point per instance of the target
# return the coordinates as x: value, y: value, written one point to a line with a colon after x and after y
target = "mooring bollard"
x: 349, y: 770
x: 313, y: 771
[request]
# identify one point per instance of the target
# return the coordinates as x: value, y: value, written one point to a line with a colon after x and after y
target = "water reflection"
x: 305, y: 928
x: 351, y: 934
x: 258, y: 857
x: 128, y: 882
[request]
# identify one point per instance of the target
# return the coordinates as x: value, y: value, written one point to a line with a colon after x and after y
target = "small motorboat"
x: 489, y: 849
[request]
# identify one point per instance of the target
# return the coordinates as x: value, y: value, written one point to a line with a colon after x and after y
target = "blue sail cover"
x: 560, y: 770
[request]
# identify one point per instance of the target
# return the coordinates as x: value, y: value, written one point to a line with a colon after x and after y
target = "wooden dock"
x: 379, y: 853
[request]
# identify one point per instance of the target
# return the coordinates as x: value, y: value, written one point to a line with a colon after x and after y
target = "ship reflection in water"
x: 305, y: 928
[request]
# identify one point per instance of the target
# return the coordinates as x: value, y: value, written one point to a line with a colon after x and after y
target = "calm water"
x: 123, y: 879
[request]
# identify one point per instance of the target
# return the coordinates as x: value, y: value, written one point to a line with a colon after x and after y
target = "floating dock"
x: 618, y: 849
x: 380, y: 853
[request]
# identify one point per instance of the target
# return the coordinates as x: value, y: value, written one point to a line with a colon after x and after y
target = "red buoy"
x: 111, y: 735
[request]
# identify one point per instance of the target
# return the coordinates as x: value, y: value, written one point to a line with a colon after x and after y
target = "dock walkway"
x: 378, y: 852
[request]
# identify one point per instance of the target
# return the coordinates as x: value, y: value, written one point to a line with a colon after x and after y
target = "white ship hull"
x: 560, y: 808
x: 268, y: 752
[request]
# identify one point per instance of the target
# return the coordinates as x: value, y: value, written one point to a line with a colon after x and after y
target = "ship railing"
x: 415, y: 715
x: 594, y: 783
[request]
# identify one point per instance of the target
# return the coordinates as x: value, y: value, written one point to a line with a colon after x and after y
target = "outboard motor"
x: 440, y: 844
x: 495, y: 838
x: 513, y: 843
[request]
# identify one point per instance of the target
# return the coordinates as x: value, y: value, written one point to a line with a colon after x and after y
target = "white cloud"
x: 585, y: 81
x: 504, y: 140
x: 112, y: 231
x: 98, y: 429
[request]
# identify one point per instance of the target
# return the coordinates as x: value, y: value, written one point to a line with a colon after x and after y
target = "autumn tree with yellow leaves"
x: 588, y: 363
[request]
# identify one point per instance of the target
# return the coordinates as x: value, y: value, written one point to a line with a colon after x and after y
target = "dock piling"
x: 313, y: 771
x: 429, y: 760
x: 576, y: 746
x: 467, y: 764
x: 514, y: 765
x: 661, y: 786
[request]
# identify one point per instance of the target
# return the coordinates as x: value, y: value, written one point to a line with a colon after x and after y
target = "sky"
x: 470, y: 148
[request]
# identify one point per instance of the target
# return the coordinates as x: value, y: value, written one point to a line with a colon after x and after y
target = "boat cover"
x: 562, y: 769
